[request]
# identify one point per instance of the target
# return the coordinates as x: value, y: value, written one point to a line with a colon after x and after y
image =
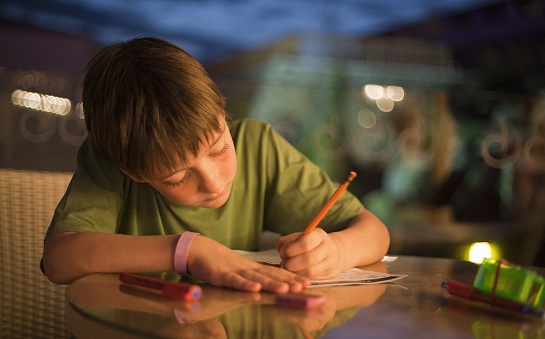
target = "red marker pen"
x: 170, y: 289
x: 465, y: 291
x: 299, y: 300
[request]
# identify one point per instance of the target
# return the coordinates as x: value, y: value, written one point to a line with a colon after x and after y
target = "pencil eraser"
x: 299, y: 300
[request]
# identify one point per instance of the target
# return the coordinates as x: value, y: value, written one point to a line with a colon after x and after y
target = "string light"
x: 41, y: 102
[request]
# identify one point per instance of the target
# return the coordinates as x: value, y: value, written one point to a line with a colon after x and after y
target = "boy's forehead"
x: 207, y: 143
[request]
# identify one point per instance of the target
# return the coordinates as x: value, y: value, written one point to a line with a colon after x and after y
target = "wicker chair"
x: 31, y: 306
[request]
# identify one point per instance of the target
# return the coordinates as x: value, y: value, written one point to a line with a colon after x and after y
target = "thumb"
x: 287, y: 239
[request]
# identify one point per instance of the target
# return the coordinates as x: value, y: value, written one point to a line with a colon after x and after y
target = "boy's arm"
x: 70, y: 255
x: 366, y: 240
x: 320, y: 255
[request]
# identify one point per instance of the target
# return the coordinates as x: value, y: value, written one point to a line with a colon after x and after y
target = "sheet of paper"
x: 270, y: 257
x: 354, y: 276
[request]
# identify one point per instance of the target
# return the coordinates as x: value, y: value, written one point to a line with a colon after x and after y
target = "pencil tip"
x: 351, y: 176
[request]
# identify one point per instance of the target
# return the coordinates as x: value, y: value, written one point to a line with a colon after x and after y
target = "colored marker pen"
x: 170, y: 289
x: 299, y: 300
x: 465, y: 291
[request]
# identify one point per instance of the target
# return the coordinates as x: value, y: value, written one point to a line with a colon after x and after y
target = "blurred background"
x: 438, y: 105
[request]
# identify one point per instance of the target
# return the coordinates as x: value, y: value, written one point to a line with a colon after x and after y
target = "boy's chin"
x: 215, y: 203
x: 210, y: 203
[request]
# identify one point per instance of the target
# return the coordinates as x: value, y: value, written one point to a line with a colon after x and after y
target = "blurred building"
x: 444, y: 121
x: 457, y: 158
x: 40, y: 76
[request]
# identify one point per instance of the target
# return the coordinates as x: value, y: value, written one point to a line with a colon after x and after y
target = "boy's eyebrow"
x: 214, y: 142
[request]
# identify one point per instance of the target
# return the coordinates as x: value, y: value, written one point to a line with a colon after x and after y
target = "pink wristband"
x: 180, y: 254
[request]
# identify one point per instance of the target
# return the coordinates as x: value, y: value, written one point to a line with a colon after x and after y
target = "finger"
x: 304, y: 260
x: 307, y: 264
x: 276, y: 279
x: 239, y: 282
x: 287, y: 239
x: 303, y: 280
x: 267, y: 282
x: 321, y: 270
x: 303, y: 243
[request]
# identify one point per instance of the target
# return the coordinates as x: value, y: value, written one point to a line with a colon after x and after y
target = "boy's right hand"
x: 216, y: 264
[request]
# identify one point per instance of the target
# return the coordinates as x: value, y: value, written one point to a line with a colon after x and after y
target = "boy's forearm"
x: 68, y: 256
x: 365, y: 241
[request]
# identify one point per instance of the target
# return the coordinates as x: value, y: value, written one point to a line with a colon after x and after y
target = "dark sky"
x: 211, y: 29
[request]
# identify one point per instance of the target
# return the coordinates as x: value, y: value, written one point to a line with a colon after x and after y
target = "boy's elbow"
x: 386, y: 241
x: 55, y: 261
x: 52, y: 272
x: 380, y: 233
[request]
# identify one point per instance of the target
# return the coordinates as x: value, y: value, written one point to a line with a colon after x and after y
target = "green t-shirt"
x: 276, y: 188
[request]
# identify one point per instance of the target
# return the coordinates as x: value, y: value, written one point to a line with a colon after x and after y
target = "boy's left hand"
x: 314, y: 255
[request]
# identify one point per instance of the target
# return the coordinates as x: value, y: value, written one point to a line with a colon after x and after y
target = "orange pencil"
x: 330, y: 203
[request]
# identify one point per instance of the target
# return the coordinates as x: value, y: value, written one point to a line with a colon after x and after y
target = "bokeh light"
x: 41, y: 102
x: 478, y: 251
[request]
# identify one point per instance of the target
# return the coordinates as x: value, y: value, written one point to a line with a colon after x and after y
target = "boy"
x: 165, y: 182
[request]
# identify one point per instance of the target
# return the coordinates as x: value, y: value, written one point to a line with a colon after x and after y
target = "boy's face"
x: 206, y: 180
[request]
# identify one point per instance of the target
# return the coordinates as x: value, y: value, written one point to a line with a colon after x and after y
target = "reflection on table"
x: 415, y: 306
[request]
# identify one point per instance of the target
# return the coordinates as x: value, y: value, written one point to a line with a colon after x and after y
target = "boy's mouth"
x: 216, y: 197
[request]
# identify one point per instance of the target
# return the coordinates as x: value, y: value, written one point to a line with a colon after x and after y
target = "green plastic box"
x: 514, y: 282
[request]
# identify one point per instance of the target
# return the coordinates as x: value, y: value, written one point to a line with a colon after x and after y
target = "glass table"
x: 413, y: 307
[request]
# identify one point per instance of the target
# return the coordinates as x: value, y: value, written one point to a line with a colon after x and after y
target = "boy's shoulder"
x: 248, y: 123
x: 248, y: 127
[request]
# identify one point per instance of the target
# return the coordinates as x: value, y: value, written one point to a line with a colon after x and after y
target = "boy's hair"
x: 147, y: 103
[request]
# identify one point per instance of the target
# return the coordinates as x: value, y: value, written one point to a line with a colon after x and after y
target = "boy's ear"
x: 131, y: 176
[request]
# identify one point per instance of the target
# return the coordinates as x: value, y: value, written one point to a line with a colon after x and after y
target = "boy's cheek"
x: 173, y: 194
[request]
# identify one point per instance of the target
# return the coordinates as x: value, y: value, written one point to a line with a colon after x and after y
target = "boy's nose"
x: 211, y: 181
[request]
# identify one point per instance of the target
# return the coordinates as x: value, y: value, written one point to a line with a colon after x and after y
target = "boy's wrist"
x: 345, y: 259
x: 181, y: 252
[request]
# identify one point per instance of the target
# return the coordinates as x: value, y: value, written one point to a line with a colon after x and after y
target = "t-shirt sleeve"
x: 94, y: 197
x: 297, y: 190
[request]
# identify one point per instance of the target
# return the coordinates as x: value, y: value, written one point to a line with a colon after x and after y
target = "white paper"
x: 354, y: 276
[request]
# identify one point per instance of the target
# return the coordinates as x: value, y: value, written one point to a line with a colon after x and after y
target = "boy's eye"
x: 222, y: 152
x: 181, y: 182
